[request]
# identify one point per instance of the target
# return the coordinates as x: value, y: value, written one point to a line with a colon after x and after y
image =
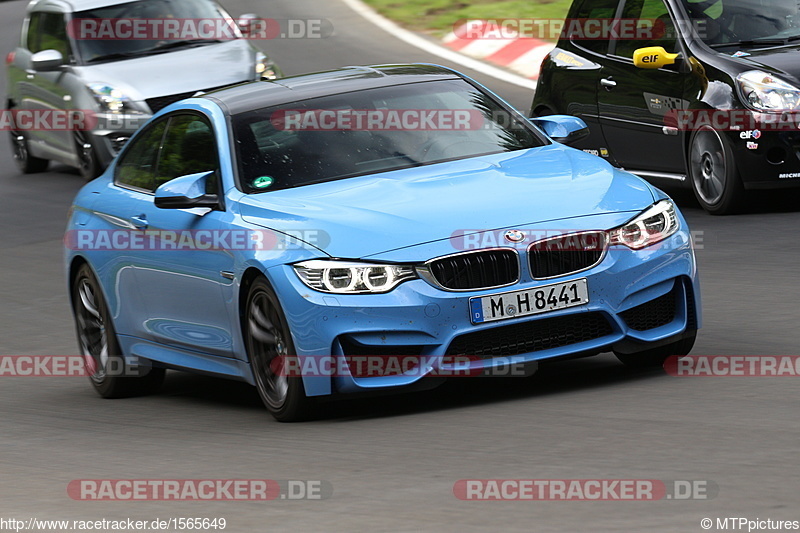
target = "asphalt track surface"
x: 393, y: 462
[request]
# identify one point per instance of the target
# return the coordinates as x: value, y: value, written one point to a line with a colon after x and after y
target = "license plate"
x: 529, y: 301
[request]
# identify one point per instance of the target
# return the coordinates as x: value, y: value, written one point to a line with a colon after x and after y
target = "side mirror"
x: 653, y: 57
x: 245, y: 23
x: 186, y: 192
x: 46, y: 60
x: 564, y: 129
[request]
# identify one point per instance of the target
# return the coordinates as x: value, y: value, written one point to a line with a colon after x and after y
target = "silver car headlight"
x: 265, y: 68
x: 112, y: 100
x: 765, y: 92
x: 653, y: 225
x: 351, y: 277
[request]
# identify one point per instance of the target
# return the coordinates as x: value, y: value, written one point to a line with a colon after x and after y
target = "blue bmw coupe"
x: 389, y: 211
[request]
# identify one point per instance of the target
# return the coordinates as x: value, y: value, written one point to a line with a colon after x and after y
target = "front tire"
x: 88, y: 165
x: 26, y: 163
x: 269, y: 346
x: 655, y: 357
x: 712, y: 171
x: 110, y: 376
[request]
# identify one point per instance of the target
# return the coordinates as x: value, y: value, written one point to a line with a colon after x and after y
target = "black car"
x: 701, y: 93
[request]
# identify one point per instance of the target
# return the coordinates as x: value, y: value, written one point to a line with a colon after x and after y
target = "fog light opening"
x: 118, y: 142
x: 776, y: 156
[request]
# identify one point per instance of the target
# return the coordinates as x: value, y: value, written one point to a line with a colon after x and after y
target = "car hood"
x: 782, y: 60
x: 176, y: 72
x: 368, y: 215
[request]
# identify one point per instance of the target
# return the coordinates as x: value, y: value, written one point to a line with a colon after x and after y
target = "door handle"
x: 608, y: 83
x: 139, y: 222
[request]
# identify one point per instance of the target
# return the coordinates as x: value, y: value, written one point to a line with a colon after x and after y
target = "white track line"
x: 529, y: 62
x: 434, y: 49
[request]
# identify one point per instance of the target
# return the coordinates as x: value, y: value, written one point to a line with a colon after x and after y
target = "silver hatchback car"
x: 120, y: 82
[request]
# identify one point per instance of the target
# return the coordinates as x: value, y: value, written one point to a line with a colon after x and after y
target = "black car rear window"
x: 593, y: 10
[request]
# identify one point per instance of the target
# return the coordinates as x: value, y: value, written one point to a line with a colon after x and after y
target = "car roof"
x: 260, y: 94
x: 71, y: 6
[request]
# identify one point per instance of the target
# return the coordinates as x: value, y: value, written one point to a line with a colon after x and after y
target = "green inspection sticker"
x: 263, y: 182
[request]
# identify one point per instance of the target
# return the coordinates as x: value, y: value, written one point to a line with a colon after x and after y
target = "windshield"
x: 147, y: 27
x: 372, y: 131
x: 745, y: 23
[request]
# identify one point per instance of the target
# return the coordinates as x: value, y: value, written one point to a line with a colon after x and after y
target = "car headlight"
x: 265, y: 68
x: 765, y: 92
x: 112, y: 100
x: 653, y: 225
x: 349, y: 277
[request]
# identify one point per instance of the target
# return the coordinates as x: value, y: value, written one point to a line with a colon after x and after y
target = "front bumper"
x: 767, y: 158
x: 418, y: 319
x: 112, y: 132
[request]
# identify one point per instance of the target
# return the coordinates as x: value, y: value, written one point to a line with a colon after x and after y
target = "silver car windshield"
x: 111, y: 33
x: 372, y: 131
x: 745, y: 23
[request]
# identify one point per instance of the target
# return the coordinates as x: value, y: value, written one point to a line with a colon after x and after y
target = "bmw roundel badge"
x: 514, y: 235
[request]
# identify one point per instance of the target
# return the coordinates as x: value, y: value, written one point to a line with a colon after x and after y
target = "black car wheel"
x: 715, y: 180
x: 270, y: 347
x: 106, y: 367
x: 88, y: 165
x: 27, y: 163
x: 656, y: 357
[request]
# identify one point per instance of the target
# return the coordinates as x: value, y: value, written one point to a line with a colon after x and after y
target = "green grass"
x: 437, y: 17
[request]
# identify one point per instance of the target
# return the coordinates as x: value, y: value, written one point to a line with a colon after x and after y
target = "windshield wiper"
x: 115, y: 55
x: 156, y: 50
x: 750, y: 42
x: 179, y: 44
